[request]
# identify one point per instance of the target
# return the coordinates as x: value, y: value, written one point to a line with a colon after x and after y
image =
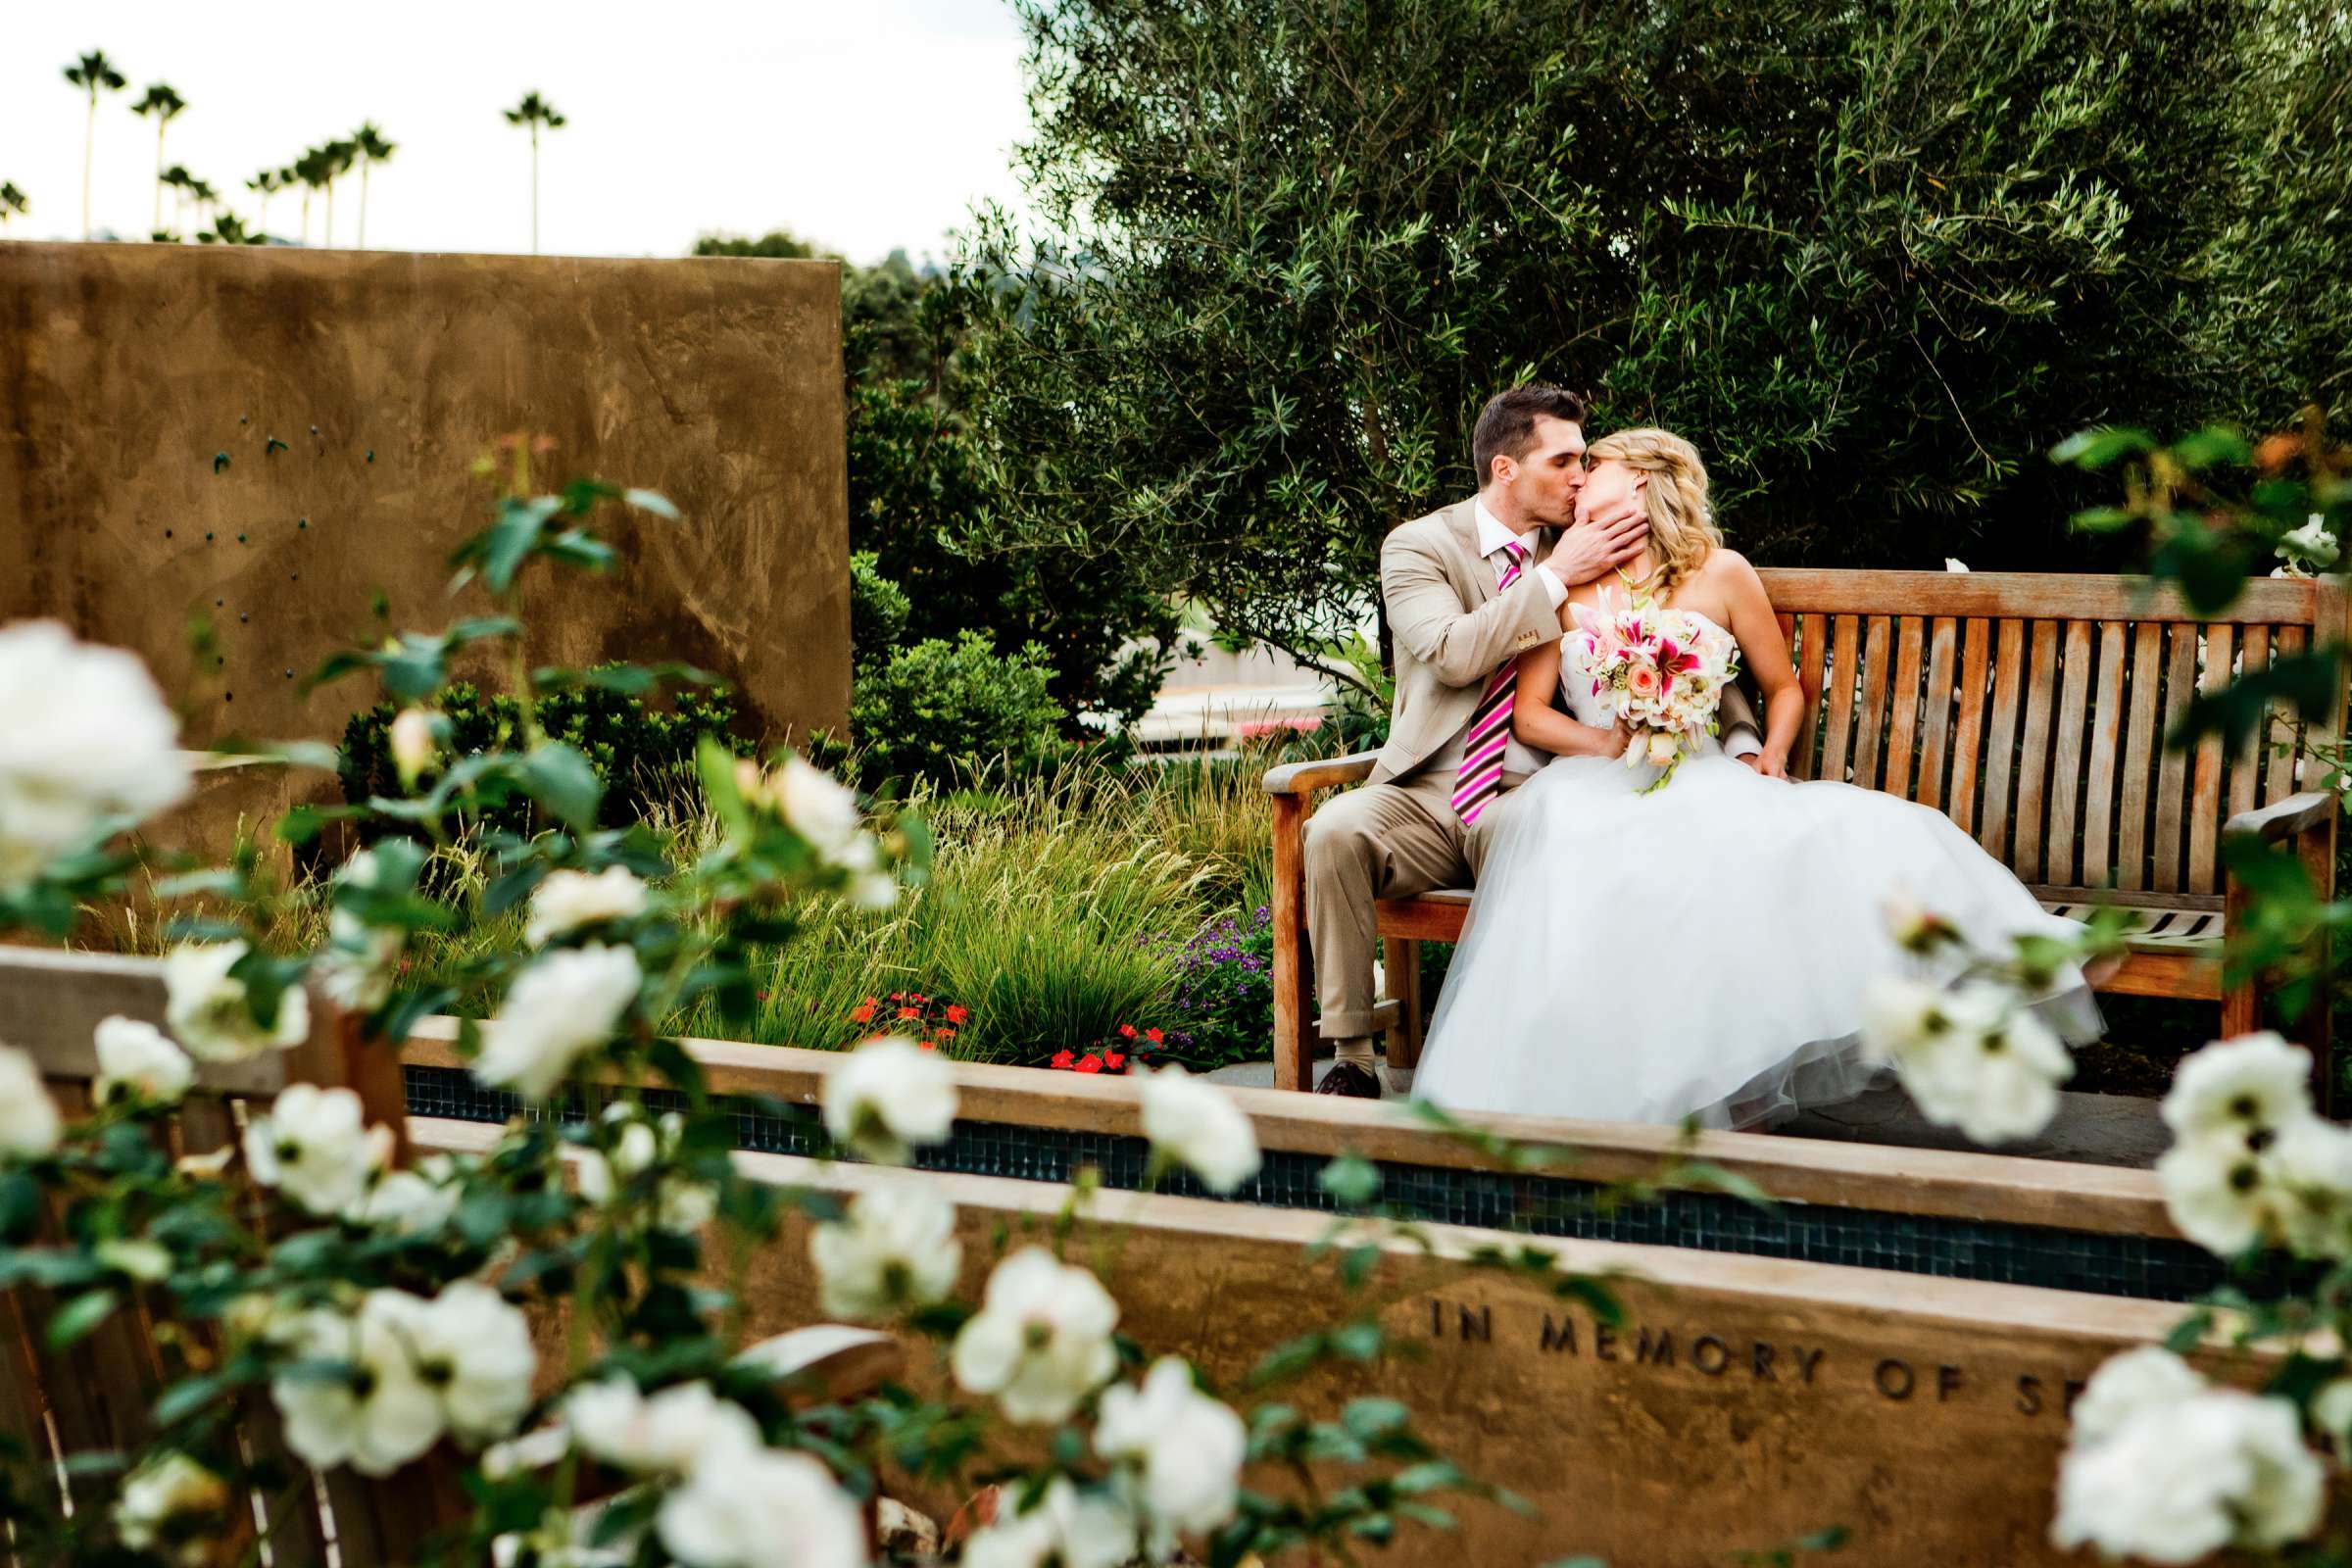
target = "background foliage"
x: 1875, y: 259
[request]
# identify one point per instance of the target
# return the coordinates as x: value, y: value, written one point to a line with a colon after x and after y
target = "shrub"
x: 879, y: 611
x: 643, y: 756
x: 944, y: 712
x: 1225, y: 992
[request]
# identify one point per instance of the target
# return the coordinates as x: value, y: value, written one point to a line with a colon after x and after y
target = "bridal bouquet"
x: 1660, y: 670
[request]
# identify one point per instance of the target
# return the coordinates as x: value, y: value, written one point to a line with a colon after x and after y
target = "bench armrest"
x: 1304, y: 778
x: 2285, y: 819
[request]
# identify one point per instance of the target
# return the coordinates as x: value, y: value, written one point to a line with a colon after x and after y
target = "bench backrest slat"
x: 2033, y: 709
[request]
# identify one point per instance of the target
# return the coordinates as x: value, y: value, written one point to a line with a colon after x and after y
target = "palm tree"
x: 534, y: 112
x: 310, y: 170
x: 338, y: 156
x: 373, y: 150
x: 11, y: 202
x: 181, y: 183
x: 165, y: 105
x: 205, y: 197
x: 266, y: 184
x: 93, y: 74
x: 229, y: 229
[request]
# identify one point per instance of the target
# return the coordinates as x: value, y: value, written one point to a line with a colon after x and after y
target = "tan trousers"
x: 1383, y: 841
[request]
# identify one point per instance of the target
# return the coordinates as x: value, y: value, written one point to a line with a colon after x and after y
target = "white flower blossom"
x: 894, y: 1249
x: 313, y: 1147
x: 2128, y: 1386
x: 379, y: 1415
x: 569, y: 899
x: 406, y: 1201
x: 2309, y: 1172
x: 413, y: 745
x: 473, y: 1351
x: 682, y: 1205
x: 2331, y: 1414
x: 1196, y: 1124
x: 1065, y: 1530
x: 208, y: 1011
x: 666, y: 1435
x: 84, y: 736
x: 816, y: 806
x: 2216, y: 1195
x: 134, y: 1057
x: 1968, y: 1057
x: 1188, y: 1446
x: 565, y: 1005
x: 2180, y: 1478
x: 888, y: 1097
x: 356, y: 967
x: 2236, y: 1089
x: 167, y: 1487
x: 29, y: 1120
x: 2314, y: 546
x: 1040, y: 1341
x: 1955, y: 563
x: 747, y: 1506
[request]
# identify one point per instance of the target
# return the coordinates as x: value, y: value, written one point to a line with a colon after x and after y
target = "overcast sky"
x: 864, y: 124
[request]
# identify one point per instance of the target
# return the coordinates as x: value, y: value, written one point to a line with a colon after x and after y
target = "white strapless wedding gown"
x: 1700, y: 950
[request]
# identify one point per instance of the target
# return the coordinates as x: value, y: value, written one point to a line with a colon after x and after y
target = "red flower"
x: 918, y: 997
x: 897, y: 996
x: 1153, y: 1035
x: 908, y: 1013
x: 946, y: 1034
x: 1126, y: 1031
x: 864, y: 1012
x: 956, y: 1014
x: 1114, y: 1061
x: 1061, y: 1058
x: 924, y: 1044
x: 1090, y: 1062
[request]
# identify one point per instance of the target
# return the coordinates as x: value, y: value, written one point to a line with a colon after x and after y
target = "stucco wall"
x: 127, y: 371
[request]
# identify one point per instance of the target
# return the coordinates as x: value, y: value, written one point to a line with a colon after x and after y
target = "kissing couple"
x: 1664, y: 926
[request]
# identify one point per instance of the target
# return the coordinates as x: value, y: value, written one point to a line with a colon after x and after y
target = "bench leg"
x: 1293, y: 965
x: 2316, y: 1032
x: 1400, y: 957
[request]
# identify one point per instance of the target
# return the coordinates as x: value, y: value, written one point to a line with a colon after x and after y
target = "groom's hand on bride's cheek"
x: 1597, y: 546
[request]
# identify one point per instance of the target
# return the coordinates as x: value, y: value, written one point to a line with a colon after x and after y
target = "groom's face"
x: 1544, y: 483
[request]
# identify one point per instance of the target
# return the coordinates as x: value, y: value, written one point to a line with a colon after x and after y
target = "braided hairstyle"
x: 1682, y: 528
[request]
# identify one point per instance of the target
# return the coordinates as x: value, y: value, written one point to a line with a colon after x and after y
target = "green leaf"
x: 562, y: 780
x: 2097, y: 449
x: 1374, y: 1417
x: 652, y: 501
x: 80, y: 1316
x: 1351, y: 1179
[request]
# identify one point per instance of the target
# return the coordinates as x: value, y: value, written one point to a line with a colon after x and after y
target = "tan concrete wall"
x: 125, y: 368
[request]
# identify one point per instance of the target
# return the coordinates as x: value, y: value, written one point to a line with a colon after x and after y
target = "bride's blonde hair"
x: 1681, y: 529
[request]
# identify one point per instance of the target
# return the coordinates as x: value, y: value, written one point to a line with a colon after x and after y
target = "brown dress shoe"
x: 1357, y: 1079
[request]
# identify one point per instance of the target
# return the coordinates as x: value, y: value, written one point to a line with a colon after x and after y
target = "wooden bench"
x: 2032, y: 708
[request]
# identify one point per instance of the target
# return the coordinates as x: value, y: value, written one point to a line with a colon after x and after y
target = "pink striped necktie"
x: 1490, y: 732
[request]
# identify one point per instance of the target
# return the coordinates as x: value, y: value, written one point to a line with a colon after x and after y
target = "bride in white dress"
x: 1700, y: 950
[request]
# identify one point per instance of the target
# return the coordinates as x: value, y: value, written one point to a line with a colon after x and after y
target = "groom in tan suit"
x: 1468, y: 589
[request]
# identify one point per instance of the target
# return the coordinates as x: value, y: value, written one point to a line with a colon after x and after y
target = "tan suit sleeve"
x: 1426, y: 614
x: 1736, y: 719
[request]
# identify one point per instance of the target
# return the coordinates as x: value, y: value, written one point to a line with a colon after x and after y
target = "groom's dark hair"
x: 1506, y: 425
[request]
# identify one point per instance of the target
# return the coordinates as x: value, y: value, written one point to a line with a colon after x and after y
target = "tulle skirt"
x: 1700, y: 951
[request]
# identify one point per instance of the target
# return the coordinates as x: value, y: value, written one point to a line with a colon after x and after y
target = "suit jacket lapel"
x: 1463, y: 519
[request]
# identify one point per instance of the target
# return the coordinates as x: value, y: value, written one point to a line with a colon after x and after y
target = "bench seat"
x: 2037, y: 711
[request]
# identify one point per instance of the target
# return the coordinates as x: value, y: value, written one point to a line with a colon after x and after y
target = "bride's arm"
x: 1765, y: 653
x: 1536, y: 722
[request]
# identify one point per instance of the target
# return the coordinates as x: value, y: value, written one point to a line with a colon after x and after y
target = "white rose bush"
x: 2171, y: 1462
x: 552, y: 1327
